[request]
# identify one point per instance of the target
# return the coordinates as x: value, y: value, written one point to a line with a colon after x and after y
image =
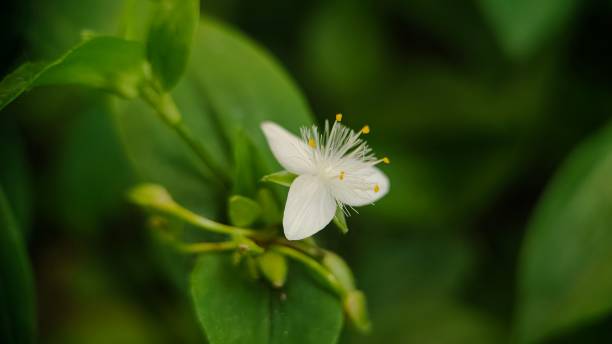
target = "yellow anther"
x: 365, y: 129
x: 341, y: 176
x: 338, y: 117
x: 386, y: 160
x: 376, y: 188
x: 311, y: 142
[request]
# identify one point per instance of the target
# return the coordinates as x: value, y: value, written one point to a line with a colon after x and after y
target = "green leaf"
x: 245, y: 174
x: 245, y: 87
x: 15, y: 172
x: 229, y: 83
x: 243, y: 211
x: 80, y: 172
x: 170, y: 37
x: 17, y: 314
x: 523, y: 25
x: 283, y: 178
x: 235, y: 309
x: 340, y: 221
x: 564, y: 277
x: 106, y: 63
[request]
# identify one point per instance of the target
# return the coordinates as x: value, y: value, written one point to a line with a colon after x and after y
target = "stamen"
x: 311, y: 142
x: 376, y: 188
x: 365, y: 129
x: 338, y: 117
x: 386, y: 160
x: 341, y: 176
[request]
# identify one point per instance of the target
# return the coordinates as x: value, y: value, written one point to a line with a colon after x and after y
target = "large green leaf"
x: 169, y: 39
x: 88, y: 188
x: 246, y: 86
x: 106, y: 63
x: 565, y: 277
x: 523, y: 25
x: 236, y: 309
x: 17, y: 315
x: 230, y: 83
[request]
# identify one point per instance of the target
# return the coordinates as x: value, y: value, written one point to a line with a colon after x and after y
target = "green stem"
x: 313, y: 265
x: 166, y: 108
x: 210, y: 225
x: 202, y: 247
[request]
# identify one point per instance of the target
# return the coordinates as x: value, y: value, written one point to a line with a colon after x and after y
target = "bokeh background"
x: 477, y: 103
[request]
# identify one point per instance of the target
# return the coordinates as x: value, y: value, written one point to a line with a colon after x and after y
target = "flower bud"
x: 151, y: 196
x: 338, y: 267
x: 356, y: 309
x: 273, y: 266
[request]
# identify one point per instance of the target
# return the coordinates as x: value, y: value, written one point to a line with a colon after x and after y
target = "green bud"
x: 273, y: 266
x: 340, y: 221
x: 284, y: 178
x: 338, y: 267
x: 151, y: 196
x: 243, y: 211
x: 357, y: 311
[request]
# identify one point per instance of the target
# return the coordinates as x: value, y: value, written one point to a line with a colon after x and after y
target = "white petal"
x: 358, y: 188
x: 291, y: 152
x: 310, y: 207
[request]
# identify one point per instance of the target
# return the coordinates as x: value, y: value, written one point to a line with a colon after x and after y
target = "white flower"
x: 335, y: 168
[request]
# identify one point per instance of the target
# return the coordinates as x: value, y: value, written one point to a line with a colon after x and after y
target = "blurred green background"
x: 498, y: 224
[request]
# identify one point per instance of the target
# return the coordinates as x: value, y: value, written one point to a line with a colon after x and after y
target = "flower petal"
x: 291, y: 152
x: 310, y: 207
x: 361, y: 187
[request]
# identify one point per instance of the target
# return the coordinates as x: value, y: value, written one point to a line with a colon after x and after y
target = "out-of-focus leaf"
x: 235, y: 309
x: 169, y: 39
x: 564, y: 276
x: 15, y: 173
x: 55, y: 26
x: 243, y: 211
x: 19, y: 81
x: 242, y: 85
x: 92, y: 172
x: 17, y: 313
x: 245, y: 169
x: 523, y: 25
x: 106, y: 63
x: 245, y: 87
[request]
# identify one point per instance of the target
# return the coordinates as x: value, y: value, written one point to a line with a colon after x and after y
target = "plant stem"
x: 313, y: 265
x: 202, y: 247
x: 166, y: 108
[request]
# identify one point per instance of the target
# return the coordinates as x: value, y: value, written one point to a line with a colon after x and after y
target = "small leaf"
x: 273, y: 266
x: 17, y: 306
x: 340, y: 221
x: 243, y: 211
x: 283, y: 178
x: 234, y: 309
x: 564, y: 276
x: 170, y: 37
x: 108, y: 63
